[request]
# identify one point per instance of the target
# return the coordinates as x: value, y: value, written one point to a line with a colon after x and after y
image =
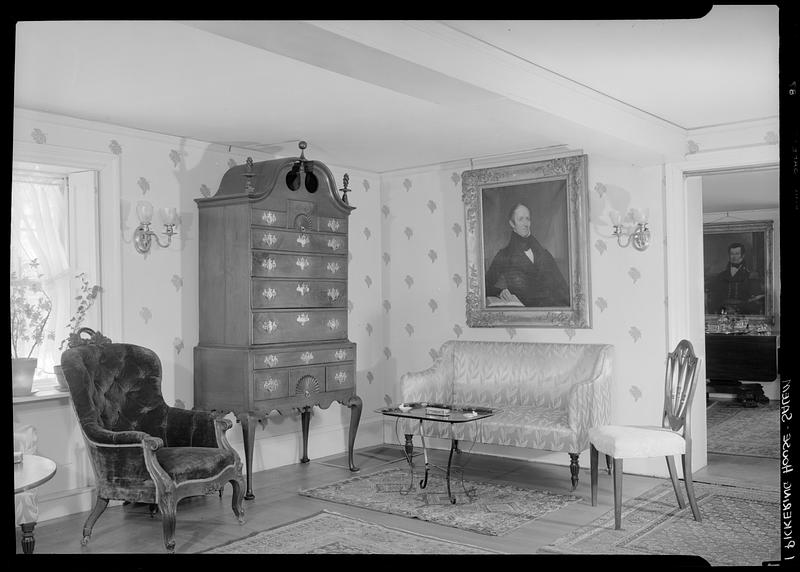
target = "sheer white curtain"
x: 39, y: 219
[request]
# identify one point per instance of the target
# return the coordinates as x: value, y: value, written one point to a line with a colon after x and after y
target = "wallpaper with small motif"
x: 424, y: 285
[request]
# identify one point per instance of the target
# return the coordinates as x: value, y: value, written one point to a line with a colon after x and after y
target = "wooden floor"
x: 205, y: 522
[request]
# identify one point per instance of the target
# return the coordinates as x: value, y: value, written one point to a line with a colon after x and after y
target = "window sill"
x: 42, y: 395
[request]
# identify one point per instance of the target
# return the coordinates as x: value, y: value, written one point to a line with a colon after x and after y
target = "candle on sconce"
x: 614, y: 217
x: 169, y: 215
x: 144, y: 211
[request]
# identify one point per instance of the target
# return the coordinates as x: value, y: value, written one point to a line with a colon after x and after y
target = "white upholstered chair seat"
x: 631, y: 441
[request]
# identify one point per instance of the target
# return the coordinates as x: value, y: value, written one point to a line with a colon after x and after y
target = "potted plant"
x: 86, y: 298
x: 30, y: 311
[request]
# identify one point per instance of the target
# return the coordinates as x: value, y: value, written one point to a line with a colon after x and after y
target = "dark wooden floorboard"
x: 205, y: 522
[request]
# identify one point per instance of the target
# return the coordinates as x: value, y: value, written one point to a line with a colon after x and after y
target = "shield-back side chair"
x: 671, y: 438
x: 141, y: 449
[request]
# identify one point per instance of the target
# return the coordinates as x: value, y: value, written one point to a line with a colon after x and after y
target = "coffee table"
x: 422, y: 412
x: 33, y: 471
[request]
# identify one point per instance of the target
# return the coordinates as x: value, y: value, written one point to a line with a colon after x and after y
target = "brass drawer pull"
x: 334, y: 243
x: 302, y: 262
x: 303, y: 240
x: 271, y: 360
x: 269, y: 293
x: 340, y: 377
x: 333, y: 294
x: 270, y: 385
x: 269, y: 239
x: 269, y: 217
x: 340, y: 354
x: 333, y: 323
x: 303, y: 318
x: 306, y: 357
x: 303, y: 288
x: 269, y: 263
x: 333, y: 224
x: 333, y: 267
x: 269, y: 326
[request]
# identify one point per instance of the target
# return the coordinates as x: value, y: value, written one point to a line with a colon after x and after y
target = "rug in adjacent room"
x: 749, y: 431
x: 490, y: 508
x: 328, y: 532
x: 740, y: 527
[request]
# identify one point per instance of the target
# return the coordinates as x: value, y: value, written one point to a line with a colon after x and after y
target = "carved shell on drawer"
x: 307, y: 385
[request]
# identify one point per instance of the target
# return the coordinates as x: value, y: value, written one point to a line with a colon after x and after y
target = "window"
x: 54, y: 243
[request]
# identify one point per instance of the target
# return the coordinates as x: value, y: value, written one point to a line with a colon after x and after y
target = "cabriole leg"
x: 355, y: 404
x: 248, y: 423
x: 573, y: 469
x: 99, y: 506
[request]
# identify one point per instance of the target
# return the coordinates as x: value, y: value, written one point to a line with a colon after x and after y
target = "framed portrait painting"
x: 737, y: 273
x: 527, y: 233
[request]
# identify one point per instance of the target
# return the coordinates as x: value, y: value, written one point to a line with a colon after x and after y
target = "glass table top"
x: 427, y: 412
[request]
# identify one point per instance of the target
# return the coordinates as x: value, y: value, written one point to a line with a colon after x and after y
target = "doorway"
x: 741, y: 337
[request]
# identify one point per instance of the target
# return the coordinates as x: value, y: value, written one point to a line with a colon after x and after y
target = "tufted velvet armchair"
x: 141, y: 449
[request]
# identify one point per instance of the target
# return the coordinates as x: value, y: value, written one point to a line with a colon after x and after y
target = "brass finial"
x: 345, y: 190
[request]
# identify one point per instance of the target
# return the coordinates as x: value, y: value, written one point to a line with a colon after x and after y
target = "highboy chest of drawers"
x: 273, y: 298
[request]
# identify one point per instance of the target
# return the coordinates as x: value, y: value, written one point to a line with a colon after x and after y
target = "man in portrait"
x: 524, y: 270
x: 735, y: 289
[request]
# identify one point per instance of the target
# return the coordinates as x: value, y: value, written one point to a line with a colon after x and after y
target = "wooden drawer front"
x: 269, y: 264
x: 339, y: 377
x: 299, y: 325
x: 272, y: 359
x: 306, y: 380
x: 298, y: 293
x: 338, y: 225
x: 298, y: 241
x: 270, y: 384
x: 268, y: 218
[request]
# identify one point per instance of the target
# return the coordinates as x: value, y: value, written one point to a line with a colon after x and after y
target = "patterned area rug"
x: 487, y: 508
x: 749, y: 431
x: 740, y: 527
x: 333, y: 533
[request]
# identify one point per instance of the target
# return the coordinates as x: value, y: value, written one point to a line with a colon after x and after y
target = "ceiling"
x: 386, y: 95
x: 741, y: 191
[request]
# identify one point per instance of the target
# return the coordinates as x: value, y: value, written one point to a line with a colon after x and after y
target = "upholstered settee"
x: 549, y: 394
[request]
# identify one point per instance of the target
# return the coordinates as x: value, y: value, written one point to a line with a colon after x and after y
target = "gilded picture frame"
x: 541, y: 282
x: 749, y: 296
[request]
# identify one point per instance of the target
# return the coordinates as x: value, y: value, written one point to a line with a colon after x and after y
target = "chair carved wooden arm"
x: 141, y: 449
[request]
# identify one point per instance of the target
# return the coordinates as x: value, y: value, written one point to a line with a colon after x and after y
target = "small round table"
x: 33, y: 471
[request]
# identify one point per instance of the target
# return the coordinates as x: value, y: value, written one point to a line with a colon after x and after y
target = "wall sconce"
x: 637, y: 233
x: 143, y: 236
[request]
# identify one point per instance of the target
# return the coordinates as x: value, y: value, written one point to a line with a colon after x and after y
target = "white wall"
x: 160, y: 295
x: 424, y: 285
